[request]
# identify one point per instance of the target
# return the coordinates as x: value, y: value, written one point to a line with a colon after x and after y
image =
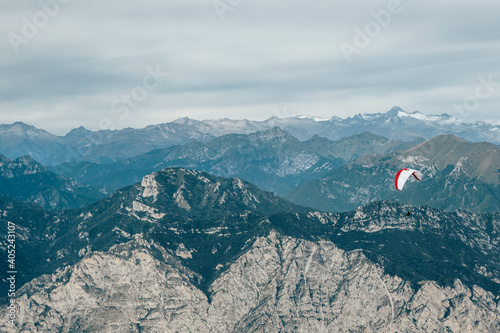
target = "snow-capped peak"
x: 312, y: 118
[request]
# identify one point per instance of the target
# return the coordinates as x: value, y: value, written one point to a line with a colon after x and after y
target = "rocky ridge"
x: 274, y: 160
x: 457, y: 175
x: 187, y: 251
x: 279, y: 284
x: 26, y: 180
x: 106, y: 146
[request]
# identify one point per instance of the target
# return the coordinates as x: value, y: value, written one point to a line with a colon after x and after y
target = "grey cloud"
x: 263, y: 55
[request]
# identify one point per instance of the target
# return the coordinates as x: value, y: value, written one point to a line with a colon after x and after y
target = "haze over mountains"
x: 274, y: 160
x: 107, y: 146
x: 311, y: 172
x: 319, y: 173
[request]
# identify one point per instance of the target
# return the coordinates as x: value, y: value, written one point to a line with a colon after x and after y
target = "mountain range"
x: 26, y: 180
x: 319, y: 173
x: 185, y: 250
x: 283, y: 225
x: 273, y: 160
x: 457, y: 174
x: 106, y: 146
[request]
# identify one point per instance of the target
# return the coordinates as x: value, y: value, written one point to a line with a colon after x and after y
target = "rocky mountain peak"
x: 20, y: 128
x: 273, y: 133
x: 272, y: 280
x: 445, y: 150
x: 190, y: 191
x: 21, y: 125
x: 25, y: 160
x: 116, y: 145
x: 446, y: 138
x: 183, y: 121
x: 393, y: 116
x: 458, y: 174
x: 77, y: 133
x: 365, y: 135
x: 278, y: 131
x: 27, y: 180
x: 26, y: 165
x: 394, y: 111
x: 445, y: 143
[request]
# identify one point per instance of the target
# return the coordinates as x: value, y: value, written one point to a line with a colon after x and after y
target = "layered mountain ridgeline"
x: 456, y: 175
x: 187, y: 250
x: 181, y: 209
x: 273, y: 160
x: 398, y: 124
x: 26, y: 180
x: 20, y: 139
x: 80, y: 144
x: 106, y: 146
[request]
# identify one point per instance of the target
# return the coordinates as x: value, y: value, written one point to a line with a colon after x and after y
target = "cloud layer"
x: 71, y: 63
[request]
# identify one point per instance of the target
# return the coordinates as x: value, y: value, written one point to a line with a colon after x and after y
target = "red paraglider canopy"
x: 403, y: 175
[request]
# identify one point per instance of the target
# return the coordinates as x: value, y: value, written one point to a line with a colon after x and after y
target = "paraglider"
x: 402, y: 176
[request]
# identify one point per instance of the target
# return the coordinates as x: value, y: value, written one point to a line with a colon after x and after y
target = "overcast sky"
x: 104, y: 64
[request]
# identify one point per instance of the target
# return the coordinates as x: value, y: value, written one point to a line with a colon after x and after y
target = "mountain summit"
x: 457, y: 175
x: 26, y: 180
x: 107, y: 146
x: 185, y: 250
x: 273, y: 159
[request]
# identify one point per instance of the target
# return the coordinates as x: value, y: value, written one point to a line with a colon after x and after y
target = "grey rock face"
x: 185, y: 251
x: 281, y: 284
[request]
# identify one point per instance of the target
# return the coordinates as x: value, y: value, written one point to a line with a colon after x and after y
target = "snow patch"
x: 421, y: 116
x: 315, y: 118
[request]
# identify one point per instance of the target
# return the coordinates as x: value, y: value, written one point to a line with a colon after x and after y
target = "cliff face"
x: 185, y: 251
x: 280, y: 284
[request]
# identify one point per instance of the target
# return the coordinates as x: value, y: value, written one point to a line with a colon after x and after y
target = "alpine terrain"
x: 26, y: 180
x: 273, y: 159
x: 187, y: 251
x: 457, y: 174
x: 107, y: 146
